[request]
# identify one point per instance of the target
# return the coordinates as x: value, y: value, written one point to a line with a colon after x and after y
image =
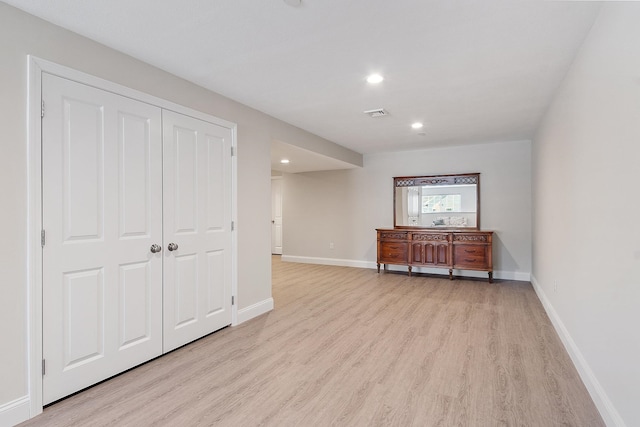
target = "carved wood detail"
x: 444, y: 180
x: 430, y: 237
x: 394, y: 236
x: 470, y: 238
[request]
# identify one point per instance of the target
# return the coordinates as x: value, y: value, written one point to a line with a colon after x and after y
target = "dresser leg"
x: 409, y: 270
x: 491, y: 277
x: 451, y: 274
x: 378, y: 267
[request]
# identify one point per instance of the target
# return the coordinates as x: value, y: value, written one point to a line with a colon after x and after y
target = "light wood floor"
x: 350, y: 347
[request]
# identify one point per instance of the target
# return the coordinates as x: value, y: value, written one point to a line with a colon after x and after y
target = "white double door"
x: 137, y: 226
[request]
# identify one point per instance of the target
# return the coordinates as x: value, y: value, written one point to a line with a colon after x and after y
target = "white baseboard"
x: 608, y: 412
x: 254, y: 310
x: 329, y: 261
x: 520, y: 276
x: 15, y: 412
x: 505, y: 275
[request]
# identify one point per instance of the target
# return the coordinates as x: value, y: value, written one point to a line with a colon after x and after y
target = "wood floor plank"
x: 351, y: 347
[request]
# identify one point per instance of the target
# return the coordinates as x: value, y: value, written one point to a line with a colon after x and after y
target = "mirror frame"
x: 453, y: 179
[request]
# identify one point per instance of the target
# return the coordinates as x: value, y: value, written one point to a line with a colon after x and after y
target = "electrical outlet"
x: 331, y: 245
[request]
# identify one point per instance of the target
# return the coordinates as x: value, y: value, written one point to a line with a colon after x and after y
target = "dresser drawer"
x: 474, y: 256
x: 393, y: 235
x: 472, y: 237
x: 393, y: 252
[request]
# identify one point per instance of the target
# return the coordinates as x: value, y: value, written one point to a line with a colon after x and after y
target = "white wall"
x: 22, y: 34
x: 345, y: 207
x: 587, y: 209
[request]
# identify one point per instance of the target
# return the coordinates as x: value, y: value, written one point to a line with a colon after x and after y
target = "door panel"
x: 82, y: 169
x: 215, y: 278
x: 134, y: 322
x: 442, y: 254
x: 135, y: 213
x: 429, y: 250
x: 185, y: 289
x: 197, y: 217
x: 102, y: 210
x: 83, y: 314
x: 417, y: 255
x: 217, y: 205
x: 184, y: 157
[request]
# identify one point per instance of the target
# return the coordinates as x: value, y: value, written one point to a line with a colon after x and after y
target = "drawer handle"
x: 470, y: 251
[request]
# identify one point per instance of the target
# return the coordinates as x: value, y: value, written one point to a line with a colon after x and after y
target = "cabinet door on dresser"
x: 430, y: 249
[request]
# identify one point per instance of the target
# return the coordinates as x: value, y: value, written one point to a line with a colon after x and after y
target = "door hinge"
x: 233, y: 151
x: 233, y: 225
x: 42, y: 238
x: 44, y: 367
x: 233, y: 300
x: 42, y: 109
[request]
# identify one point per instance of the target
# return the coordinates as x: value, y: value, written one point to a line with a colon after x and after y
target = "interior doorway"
x: 276, y: 215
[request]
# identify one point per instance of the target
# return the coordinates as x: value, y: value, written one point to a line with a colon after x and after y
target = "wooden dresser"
x: 459, y: 249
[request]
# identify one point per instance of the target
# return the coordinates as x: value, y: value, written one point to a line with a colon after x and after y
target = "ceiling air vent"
x: 378, y: 112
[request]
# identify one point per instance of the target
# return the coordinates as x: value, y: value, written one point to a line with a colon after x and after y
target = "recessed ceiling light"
x: 417, y: 125
x: 374, y: 79
x: 284, y: 161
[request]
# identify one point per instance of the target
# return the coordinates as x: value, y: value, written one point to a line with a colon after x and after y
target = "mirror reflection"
x: 442, y: 201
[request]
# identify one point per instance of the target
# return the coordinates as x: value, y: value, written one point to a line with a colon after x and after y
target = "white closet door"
x: 276, y: 215
x: 197, y: 218
x: 102, y: 211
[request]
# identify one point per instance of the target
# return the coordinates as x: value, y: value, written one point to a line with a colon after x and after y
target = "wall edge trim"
x: 604, y: 405
x: 254, y: 310
x: 15, y: 411
x: 328, y: 261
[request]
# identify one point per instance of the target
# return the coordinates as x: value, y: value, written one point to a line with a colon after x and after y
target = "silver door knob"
x: 172, y: 247
x: 155, y: 248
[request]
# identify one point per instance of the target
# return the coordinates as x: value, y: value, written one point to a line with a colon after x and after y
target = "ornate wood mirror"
x: 437, y: 201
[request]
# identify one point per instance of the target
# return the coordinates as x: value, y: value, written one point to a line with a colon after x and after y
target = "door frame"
x: 35, y: 67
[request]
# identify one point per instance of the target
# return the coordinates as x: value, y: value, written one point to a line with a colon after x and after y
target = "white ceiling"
x: 472, y: 71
